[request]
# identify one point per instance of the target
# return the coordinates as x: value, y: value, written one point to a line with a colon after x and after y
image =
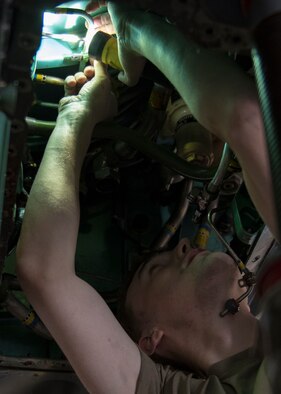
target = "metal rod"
x: 217, y: 180
x: 46, y: 104
x: 39, y: 364
x: 26, y: 316
x: 267, y: 62
x: 173, y: 223
x: 228, y: 247
x: 4, y: 146
x: 72, y: 11
x: 48, y: 79
x: 113, y: 131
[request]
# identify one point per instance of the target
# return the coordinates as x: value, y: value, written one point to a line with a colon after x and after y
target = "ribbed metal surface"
x: 267, y: 60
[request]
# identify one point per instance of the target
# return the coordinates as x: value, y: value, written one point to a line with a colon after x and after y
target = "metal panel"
x: 4, y: 146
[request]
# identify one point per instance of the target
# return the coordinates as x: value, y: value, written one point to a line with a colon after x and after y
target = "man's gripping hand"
x: 131, y: 61
x: 88, y: 96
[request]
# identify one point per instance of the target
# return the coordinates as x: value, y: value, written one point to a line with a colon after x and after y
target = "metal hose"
x: 113, y: 131
x: 40, y: 364
x: 267, y: 61
x: 214, y: 185
x: 26, y: 316
x: 173, y: 223
x: 110, y: 130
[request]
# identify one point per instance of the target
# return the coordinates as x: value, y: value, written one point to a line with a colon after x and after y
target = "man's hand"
x: 132, y: 62
x: 88, y: 96
x: 102, y: 22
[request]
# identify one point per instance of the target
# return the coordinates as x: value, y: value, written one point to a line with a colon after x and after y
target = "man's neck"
x: 215, y: 341
x: 234, y: 334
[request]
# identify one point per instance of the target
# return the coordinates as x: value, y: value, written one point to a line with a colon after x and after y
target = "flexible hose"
x: 110, y: 130
x: 267, y: 61
x: 113, y: 131
x: 216, y: 182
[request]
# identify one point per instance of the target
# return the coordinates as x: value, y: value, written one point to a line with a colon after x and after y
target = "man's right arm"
x: 220, y: 95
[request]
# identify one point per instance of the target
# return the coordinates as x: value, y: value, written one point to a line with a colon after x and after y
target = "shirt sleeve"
x: 155, y: 379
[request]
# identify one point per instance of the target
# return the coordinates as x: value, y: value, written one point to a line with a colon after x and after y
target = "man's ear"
x: 149, y: 343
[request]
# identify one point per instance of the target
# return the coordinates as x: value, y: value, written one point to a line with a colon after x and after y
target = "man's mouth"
x: 191, y: 256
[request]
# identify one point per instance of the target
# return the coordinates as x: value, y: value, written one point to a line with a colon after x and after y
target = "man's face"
x: 183, y: 285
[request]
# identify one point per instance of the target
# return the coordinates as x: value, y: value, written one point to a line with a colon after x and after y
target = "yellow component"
x: 241, y: 266
x: 171, y: 228
x: 201, y: 238
x: 159, y: 97
x: 48, y: 79
x: 29, y: 319
x: 234, y: 166
x: 40, y: 77
x: 110, y: 54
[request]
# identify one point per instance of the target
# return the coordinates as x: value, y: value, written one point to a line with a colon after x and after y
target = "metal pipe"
x: 110, y: 130
x: 217, y: 180
x: 267, y: 62
x: 72, y: 11
x: 225, y: 243
x: 4, y: 146
x: 113, y: 131
x: 232, y: 305
x: 90, y: 27
x: 248, y: 280
x: 26, y: 316
x: 48, y: 79
x: 173, y: 223
x: 46, y: 104
x: 42, y: 128
x: 39, y: 364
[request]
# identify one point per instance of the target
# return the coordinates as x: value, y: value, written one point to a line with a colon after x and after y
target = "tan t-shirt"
x: 236, y: 374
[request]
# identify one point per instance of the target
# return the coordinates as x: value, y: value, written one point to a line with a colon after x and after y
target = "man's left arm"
x: 75, y: 314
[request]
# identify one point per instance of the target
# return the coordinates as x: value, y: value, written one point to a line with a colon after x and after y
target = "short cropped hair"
x: 132, y: 321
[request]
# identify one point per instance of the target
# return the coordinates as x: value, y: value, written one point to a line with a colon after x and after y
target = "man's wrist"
x: 74, y: 118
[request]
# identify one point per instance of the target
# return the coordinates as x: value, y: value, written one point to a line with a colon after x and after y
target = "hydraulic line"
x: 40, y: 364
x: 46, y: 104
x: 248, y: 279
x: 113, y: 131
x: 110, y: 130
x: 214, y: 185
x: 42, y: 128
x: 237, y: 260
x: 267, y: 62
x: 48, y: 80
x: 211, y: 191
x: 173, y: 223
x: 26, y: 316
x: 77, y: 12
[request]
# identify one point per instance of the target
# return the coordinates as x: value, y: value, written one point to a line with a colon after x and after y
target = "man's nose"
x: 182, y: 248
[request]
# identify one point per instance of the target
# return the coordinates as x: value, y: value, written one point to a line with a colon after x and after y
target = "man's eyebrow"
x: 148, y: 258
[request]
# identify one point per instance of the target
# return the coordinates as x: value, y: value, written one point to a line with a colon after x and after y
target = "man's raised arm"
x: 77, y: 317
x: 219, y: 94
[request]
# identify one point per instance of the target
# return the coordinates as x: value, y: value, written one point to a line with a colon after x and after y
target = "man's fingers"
x: 89, y: 72
x: 70, y: 85
x: 94, y: 5
x: 100, y: 69
x: 80, y: 78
